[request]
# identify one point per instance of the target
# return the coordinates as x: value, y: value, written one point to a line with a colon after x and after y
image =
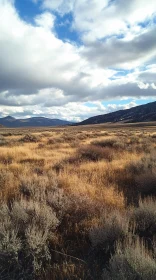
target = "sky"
x: 76, y: 59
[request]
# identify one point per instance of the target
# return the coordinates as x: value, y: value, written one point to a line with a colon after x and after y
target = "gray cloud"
x: 54, y: 97
x: 39, y: 72
x: 148, y: 77
x: 117, y: 52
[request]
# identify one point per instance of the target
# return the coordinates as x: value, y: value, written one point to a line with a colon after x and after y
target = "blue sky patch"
x: 64, y: 30
x: 27, y: 10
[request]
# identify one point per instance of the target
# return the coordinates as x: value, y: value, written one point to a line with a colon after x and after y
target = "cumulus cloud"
x: 122, y: 53
x: 45, y: 20
x: 41, y: 73
x: 60, y: 6
x: 31, y: 56
x: 74, y: 111
x: 153, y: 86
x: 149, y: 74
x: 141, y: 85
x: 97, y: 19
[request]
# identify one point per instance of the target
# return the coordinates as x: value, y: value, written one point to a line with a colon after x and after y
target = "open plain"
x: 78, y: 202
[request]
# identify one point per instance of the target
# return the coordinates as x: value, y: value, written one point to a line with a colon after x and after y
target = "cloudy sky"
x: 77, y: 58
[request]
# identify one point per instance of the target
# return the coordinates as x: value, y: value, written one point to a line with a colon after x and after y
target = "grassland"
x: 78, y: 203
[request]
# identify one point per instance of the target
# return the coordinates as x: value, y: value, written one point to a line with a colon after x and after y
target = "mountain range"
x: 141, y: 113
x: 31, y: 122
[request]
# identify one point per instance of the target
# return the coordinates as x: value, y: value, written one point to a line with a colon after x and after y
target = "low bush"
x: 52, y: 141
x: 95, y: 153
x: 37, y: 240
x: 68, y: 137
x: 6, y: 134
x: 113, y: 227
x: 30, y: 138
x: 41, y: 146
x: 3, y: 141
x: 25, y: 229
x: 131, y: 261
x: 33, y: 161
x: 45, y: 190
x: 154, y: 246
x: 6, y: 178
x: 6, y: 159
x: 146, y: 183
x: 106, y: 142
x: 143, y: 165
x: 144, y: 218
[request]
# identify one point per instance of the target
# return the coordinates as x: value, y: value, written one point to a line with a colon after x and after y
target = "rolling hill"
x: 31, y: 122
x: 141, y: 113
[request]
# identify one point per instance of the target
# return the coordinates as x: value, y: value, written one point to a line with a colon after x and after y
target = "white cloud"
x: 72, y: 111
x: 60, y: 6
x: 121, y: 53
x: 45, y: 20
x: 153, y: 86
x: 32, y: 57
x: 41, y: 73
x: 97, y: 19
x: 141, y: 85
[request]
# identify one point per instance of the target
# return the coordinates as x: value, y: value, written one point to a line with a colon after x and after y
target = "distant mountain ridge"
x: 31, y: 122
x: 141, y: 113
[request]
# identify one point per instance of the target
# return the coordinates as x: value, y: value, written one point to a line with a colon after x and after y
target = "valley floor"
x: 78, y: 202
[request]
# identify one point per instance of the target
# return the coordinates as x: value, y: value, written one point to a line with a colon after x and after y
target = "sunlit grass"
x: 58, y: 175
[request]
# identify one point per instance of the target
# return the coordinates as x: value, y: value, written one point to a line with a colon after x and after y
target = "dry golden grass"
x: 78, y: 173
